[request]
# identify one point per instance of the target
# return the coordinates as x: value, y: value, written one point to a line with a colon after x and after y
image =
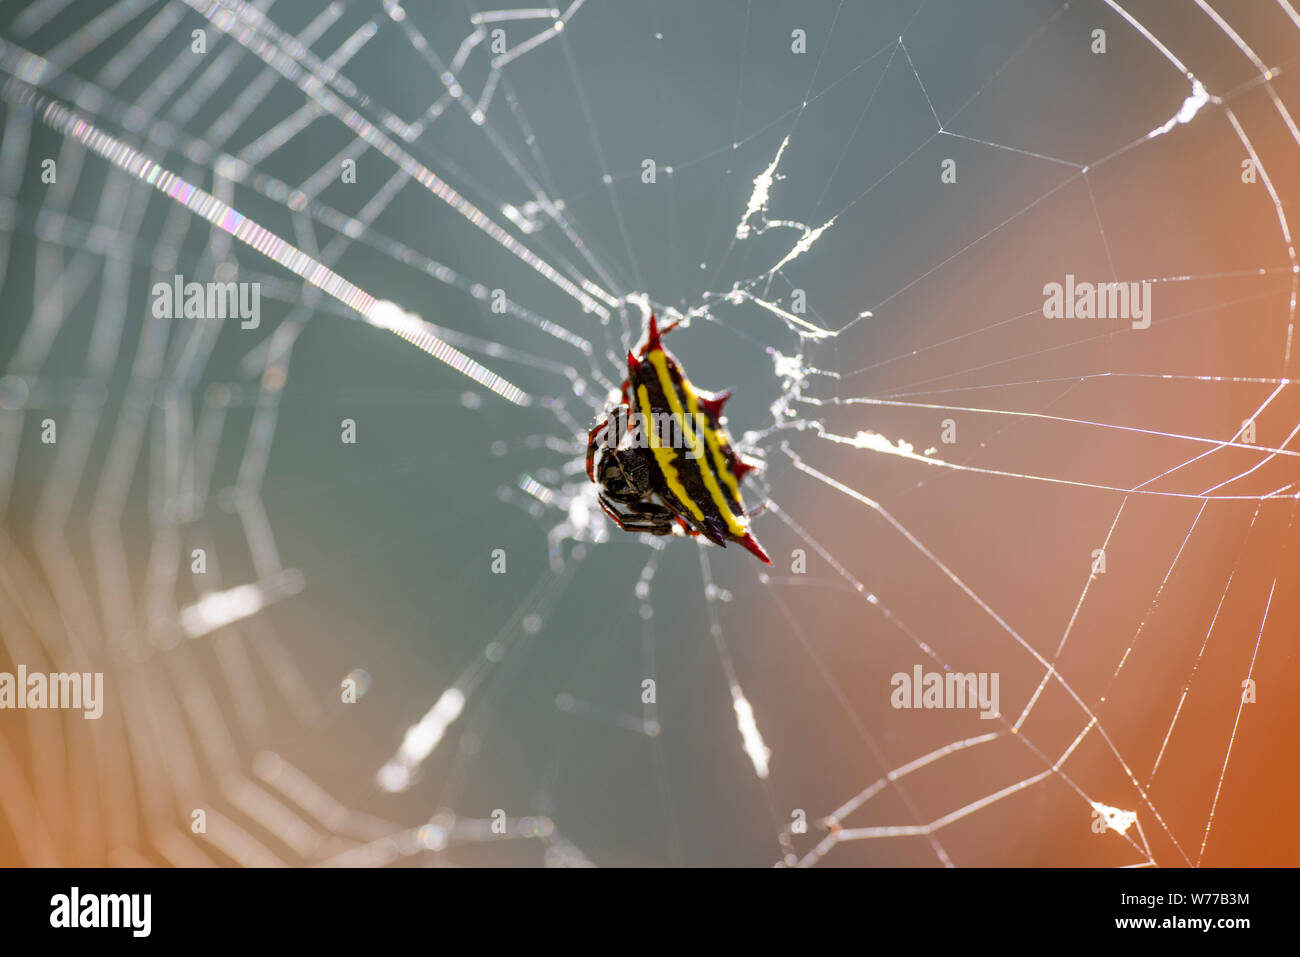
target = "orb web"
x: 855, y: 215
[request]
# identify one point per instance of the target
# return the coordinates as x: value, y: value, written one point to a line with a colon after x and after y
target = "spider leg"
x: 614, y: 516
x: 639, y: 518
x: 664, y: 330
x: 591, y: 448
x: 606, y: 434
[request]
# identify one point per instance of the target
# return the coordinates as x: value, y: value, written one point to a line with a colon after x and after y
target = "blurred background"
x: 397, y: 642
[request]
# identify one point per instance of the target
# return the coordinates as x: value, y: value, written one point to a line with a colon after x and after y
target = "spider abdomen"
x: 678, y: 437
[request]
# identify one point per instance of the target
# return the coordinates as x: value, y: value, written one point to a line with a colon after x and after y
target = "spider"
x: 675, y: 469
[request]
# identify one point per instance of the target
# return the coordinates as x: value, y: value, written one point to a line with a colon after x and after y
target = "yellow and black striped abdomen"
x: 693, y: 467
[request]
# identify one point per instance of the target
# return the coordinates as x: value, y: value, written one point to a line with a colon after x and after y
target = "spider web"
x: 1101, y: 515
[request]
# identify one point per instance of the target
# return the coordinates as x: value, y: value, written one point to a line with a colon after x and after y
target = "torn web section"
x: 1167, y: 443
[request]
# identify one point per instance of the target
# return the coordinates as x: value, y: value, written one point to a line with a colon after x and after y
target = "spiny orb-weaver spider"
x: 650, y: 484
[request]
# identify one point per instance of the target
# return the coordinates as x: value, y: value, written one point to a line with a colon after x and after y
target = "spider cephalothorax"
x: 662, y: 456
